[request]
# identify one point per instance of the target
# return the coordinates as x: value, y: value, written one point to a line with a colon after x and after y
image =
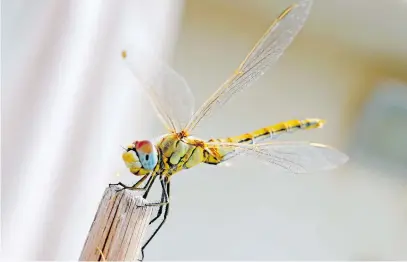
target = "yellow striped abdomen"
x: 264, y: 134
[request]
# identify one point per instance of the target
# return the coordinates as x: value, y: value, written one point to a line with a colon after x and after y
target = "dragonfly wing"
x: 168, y: 91
x: 264, y: 54
x: 292, y: 157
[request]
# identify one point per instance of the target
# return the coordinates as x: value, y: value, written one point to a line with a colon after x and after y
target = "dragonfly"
x: 174, y: 103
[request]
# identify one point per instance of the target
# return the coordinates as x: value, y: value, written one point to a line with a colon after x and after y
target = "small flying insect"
x: 173, y: 101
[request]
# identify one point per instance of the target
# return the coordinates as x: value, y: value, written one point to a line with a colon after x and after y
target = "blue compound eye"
x: 147, y: 154
x: 148, y: 161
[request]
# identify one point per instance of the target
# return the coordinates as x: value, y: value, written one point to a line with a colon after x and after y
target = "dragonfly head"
x: 141, y: 157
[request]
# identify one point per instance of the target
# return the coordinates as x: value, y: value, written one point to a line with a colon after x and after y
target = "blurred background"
x: 69, y: 103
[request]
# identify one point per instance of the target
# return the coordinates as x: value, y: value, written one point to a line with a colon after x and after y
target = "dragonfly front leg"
x: 136, y: 186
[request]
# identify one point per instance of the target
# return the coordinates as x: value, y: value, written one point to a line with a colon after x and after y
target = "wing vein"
x: 262, y: 56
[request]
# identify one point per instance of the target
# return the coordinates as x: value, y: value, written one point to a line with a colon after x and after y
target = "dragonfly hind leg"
x: 164, y: 200
x: 165, y: 194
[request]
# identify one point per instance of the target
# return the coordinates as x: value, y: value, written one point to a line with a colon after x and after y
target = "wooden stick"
x: 118, y: 227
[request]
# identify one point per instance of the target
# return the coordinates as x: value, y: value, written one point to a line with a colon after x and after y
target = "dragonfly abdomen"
x: 273, y: 131
x: 262, y: 135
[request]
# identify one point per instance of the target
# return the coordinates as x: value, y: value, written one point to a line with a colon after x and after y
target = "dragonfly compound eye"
x: 147, y: 154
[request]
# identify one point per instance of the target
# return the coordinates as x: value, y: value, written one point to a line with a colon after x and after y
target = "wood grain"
x: 118, y: 227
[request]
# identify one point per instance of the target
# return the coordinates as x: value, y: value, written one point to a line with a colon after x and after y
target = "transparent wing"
x: 263, y: 55
x: 168, y: 91
x: 287, y: 156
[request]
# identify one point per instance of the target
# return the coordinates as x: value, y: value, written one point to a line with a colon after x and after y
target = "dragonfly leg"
x: 136, y: 185
x: 133, y: 187
x: 159, y: 213
x: 149, y: 185
x: 164, y: 199
x: 166, y: 189
x: 163, y: 194
x: 118, y: 184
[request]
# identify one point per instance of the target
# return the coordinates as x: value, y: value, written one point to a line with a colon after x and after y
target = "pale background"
x: 65, y: 120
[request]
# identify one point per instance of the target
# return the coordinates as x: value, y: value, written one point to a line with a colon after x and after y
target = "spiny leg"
x: 163, y: 192
x: 160, y: 211
x: 163, y: 195
x: 135, y: 186
x: 164, y: 198
x: 167, y: 207
x: 118, y: 184
x: 149, y: 185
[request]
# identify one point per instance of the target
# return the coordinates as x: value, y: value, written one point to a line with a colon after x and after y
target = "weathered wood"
x: 118, y: 227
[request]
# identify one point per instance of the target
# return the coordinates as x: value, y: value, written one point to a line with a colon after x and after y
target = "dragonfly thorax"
x: 141, y: 157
